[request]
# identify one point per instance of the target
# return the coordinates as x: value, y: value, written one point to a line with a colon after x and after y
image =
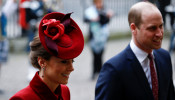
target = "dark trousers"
x: 172, y: 43
x: 97, y: 62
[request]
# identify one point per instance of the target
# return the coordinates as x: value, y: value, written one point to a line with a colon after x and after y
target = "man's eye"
x: 152, y: 28
x: 161, y: 26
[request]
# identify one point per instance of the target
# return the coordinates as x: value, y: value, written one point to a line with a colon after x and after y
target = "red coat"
x: 38, y: 90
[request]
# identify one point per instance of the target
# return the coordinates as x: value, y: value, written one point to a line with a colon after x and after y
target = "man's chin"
x: 157, y: 47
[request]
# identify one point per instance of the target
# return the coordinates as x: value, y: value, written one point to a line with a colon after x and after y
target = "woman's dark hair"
x: 37, y: 50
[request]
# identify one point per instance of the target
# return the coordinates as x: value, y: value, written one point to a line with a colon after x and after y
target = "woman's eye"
x: 67, y: 61
x: 64, y: 61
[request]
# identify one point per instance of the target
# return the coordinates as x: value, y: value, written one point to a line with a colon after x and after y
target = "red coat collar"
x: 43, y: 90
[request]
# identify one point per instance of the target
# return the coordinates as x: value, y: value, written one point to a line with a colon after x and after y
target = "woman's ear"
x: 41, y: 62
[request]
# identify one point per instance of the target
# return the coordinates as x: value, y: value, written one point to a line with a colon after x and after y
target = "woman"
x: 60, y: 41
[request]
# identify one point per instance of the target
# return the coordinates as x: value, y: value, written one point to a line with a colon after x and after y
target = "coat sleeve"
x: 109, y: 86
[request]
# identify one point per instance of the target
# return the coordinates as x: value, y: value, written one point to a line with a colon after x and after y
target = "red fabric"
x: 22, y: 15
x: 153, y: 78
x: 38, y: 90
x: 76, y: 36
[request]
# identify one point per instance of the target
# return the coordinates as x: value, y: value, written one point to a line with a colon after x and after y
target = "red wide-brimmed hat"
x: 61, y: 36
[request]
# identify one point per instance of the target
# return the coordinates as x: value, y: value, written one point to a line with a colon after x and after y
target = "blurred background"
x: 15, y: 72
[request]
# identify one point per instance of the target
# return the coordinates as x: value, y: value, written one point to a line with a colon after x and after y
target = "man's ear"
x: 133, y: 28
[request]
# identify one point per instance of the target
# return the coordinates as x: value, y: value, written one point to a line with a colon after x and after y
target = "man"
x: 132, y: 75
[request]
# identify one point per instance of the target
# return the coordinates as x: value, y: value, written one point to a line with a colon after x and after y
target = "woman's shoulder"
x: 65, y: 92
x: 25, y: 94
x: 64, y: 88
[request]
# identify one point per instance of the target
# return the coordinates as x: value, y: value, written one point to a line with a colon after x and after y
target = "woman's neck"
x: 49, y: 83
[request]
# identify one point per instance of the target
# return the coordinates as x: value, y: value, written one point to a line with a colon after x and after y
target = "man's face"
x: 150, y: 33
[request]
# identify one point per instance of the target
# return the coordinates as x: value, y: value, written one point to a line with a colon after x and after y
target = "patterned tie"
x: 154, y: 79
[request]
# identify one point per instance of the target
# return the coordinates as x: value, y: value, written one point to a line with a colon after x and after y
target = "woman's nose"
x: 71, y: 68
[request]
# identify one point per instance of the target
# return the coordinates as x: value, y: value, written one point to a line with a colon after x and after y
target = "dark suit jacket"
x: 122, y: 78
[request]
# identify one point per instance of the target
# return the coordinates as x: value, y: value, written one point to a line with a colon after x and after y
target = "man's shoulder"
x: 123, y: 55
x: 161, y: 51
x: 120, y: 55
x: 120, y: 60
x: 162, y: 54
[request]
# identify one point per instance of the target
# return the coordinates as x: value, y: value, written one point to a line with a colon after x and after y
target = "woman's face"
x: 58, y: 70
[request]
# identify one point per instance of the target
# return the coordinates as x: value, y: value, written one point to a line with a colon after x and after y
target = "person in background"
x: 152, y: 1
x: 98, y: 18
x: 1, y: 2
x: 9, y: 8
x: 53, y: 5
x: 170, y: 10
x: 143, y: 70
x: 31, y: 12
x: 162, y: 4
x: 60, y: 40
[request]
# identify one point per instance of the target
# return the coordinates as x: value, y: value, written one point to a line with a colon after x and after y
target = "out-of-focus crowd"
x: 29, y: 13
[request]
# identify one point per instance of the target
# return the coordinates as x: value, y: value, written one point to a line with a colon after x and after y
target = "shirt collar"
x: 139, y: 53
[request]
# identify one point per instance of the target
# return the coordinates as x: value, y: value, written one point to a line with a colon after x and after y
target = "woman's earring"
x: 43, y: 68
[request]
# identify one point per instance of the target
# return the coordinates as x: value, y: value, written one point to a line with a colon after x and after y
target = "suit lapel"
x: 139, y: 73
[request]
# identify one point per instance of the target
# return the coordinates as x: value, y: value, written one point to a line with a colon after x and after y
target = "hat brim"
x: 75, y: 35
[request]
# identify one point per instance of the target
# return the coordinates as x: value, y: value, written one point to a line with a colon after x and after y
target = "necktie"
x: 154, y: 79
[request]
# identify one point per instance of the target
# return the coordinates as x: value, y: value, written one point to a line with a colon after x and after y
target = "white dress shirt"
x: 142, y: 57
